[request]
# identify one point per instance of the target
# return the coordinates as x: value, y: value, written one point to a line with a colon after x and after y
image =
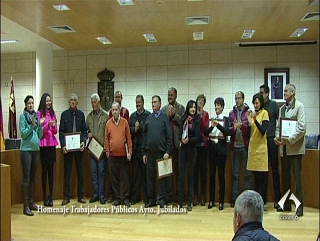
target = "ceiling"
x: 272, y: 20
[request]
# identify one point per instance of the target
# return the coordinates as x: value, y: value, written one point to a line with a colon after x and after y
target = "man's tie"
x: 74, y: 127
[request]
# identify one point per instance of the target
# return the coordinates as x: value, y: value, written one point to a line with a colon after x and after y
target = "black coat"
x: 253, y: 231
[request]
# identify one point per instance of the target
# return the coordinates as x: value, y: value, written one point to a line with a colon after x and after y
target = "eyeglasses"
x: 238, y: 98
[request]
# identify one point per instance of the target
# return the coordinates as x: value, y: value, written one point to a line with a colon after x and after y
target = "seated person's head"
x: 248, y: 208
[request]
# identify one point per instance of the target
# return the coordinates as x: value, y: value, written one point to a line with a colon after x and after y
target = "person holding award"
x: 174, y: 111
x: 96, y: 123
x: 258, y: 151
x: 30, y: 132
x: 124, y: 112
x: 118, y: 146
x: 292, y: 144
x: 157, y: 143
x: 47, y: 143
x: 189, y: 136
x: 218, y: 149
x: 73, y: 136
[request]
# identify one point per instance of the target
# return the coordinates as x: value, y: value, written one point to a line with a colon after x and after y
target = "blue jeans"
x: 29, y: 162
x: 98, y: 175
x: 236, y: 155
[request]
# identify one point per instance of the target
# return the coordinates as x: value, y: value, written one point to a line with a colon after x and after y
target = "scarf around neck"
x: 29, y: 115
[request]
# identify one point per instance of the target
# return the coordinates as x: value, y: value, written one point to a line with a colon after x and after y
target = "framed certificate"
x: 73, y: 141
x: 165, y: 167
x: 95, y: 148
x: 287, y: 126
x: 216, y: 133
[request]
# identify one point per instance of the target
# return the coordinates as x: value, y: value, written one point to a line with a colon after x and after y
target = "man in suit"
x: 73, y: 120
x: 277, y: 88
x: 174, y: 111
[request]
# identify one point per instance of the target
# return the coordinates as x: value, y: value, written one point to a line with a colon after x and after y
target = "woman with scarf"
x: 189, y: 136
x: 258, y: 150
x: 30, y: 132
x: 48, y: 143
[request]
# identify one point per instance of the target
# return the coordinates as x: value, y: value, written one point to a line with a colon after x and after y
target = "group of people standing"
x: 187, y: 135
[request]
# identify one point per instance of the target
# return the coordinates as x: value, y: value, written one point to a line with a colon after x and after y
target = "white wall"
x: 214, y: 70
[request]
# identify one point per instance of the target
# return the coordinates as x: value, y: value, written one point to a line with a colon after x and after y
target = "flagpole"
x: 12, y: 113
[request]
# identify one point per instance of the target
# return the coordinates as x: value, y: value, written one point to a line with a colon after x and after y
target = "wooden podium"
x: 5, y: 203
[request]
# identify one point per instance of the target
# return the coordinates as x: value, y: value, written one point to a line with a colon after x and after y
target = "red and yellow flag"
x: 12, y: 114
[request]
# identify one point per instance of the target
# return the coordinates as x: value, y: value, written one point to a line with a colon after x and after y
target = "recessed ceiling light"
x: 149, y: 37
x: 247, y: 34
x: 125, y: 2
x: 298, y: 32
x: 103, y: 40
x: 197, y: 35
x: 61, y: 7
x: 9, y: 41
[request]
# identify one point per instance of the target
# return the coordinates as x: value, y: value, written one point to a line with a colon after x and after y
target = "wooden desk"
x: 5, y: 203
x: 310, y: 178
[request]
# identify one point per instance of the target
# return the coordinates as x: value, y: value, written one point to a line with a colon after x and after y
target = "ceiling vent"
x: 61, y: 29
x: 311, y: 16
x: 199, y: 20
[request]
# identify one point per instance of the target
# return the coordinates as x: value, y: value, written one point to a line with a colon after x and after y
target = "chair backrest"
x: 312, y: 141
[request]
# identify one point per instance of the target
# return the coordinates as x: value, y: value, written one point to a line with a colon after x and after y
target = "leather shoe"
x: 65, y: 202
x: 116, y: 203
x: 299, y: 212
x: 189, y: 208
x: 81, y: 200
x: 150, y: 204
x: 220, y: 206
x: 102, y: 201
x: 203, y: 202
x: 111, y: 199
x: 210, y: 205
x: 93, y: 199
x: 127, y: 203
x: 162, y: 204
x: 276, y: 205
x: 232, y: 204
x: 46, y: 203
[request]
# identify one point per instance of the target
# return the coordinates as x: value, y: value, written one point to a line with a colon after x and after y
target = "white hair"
x: 95, y: 96
x: 73, y: 95
x: 249, y: 205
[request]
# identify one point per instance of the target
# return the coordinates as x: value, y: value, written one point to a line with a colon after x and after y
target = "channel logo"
x: 292, y: 197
